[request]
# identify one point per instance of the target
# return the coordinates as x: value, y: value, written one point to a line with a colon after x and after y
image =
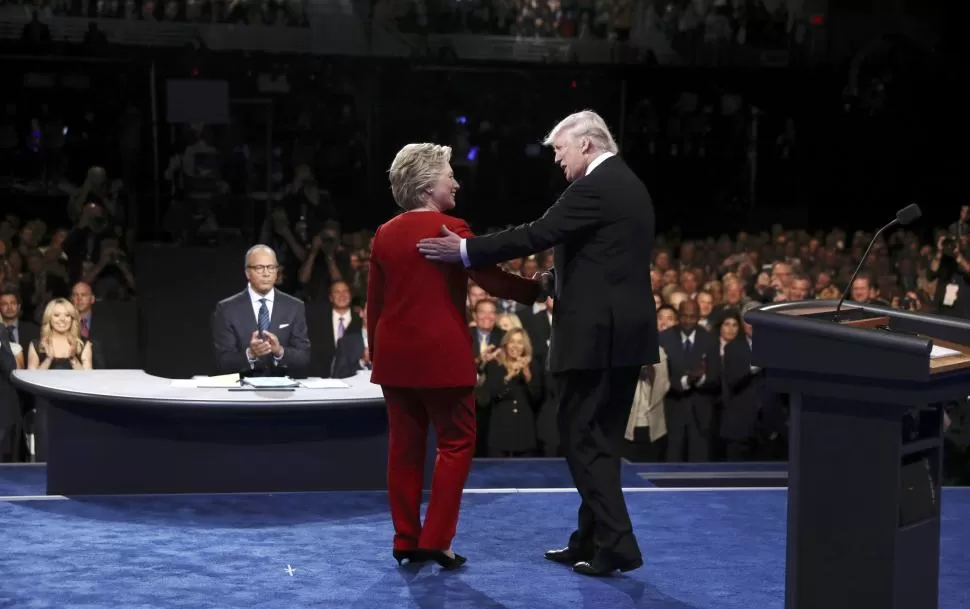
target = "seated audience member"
x: 327, y: 323
x: 60, y: 347
x: 261, y: 330
x: 9, y: 402
x: 352, y: 354
x: 20, y: 331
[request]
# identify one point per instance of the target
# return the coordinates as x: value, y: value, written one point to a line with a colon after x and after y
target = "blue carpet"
x: 703, y: 550
x: 30, y: 480
x: 534, y: 473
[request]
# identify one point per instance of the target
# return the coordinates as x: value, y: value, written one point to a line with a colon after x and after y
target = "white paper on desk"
x: 318, y: 383
x: 939, y: 352
x: 223, y: 380
x: 185, y: 383
x: 270, y: 381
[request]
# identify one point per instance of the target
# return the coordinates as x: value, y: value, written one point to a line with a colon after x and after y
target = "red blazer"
x: 416, y: 327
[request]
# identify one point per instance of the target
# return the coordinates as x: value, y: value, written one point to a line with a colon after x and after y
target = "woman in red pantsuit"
x: 422, y: 354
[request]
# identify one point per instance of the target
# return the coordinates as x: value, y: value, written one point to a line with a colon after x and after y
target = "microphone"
x: 906, y: 215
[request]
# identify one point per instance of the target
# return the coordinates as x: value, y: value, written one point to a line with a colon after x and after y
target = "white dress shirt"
x: 589, y: 169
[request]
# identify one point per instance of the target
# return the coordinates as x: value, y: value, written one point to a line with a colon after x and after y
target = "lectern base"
x: 863, y: 507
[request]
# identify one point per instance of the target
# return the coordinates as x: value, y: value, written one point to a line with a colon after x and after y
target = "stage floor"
x: 706, y: 547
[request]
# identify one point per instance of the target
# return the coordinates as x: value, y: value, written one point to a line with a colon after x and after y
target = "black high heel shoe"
x: 412, y: 556
x: 446, y: 562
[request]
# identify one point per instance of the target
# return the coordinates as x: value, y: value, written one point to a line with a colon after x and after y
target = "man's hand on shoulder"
x: 446, y: 248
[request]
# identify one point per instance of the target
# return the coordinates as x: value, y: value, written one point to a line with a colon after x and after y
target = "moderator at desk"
x: 125, y: 431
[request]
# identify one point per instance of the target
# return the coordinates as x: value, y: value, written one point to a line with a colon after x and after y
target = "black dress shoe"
x: 444, y: 561
x: 567, y: 556
x: 602, y: 567
x: 412, y: 556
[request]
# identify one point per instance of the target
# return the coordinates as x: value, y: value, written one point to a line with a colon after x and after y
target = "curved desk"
x: 125, y: 431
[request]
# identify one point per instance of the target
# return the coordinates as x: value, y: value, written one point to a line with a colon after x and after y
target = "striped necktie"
x: 263, y: 318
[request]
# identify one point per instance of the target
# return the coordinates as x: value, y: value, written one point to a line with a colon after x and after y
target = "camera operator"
x: 83, y: 244
x: 951, y: 269
x: 110, y: 277
x: 327, y: 262
x: 294, y: 221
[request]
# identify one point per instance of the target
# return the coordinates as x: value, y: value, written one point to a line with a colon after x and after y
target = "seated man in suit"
x: 352, y: 354
x: 261, y: 329
x: 9, y: 402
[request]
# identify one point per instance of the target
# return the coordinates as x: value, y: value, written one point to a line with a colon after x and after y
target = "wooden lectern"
x: 867, y: 391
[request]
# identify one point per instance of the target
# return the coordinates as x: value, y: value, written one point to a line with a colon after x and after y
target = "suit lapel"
x: 277, y: 314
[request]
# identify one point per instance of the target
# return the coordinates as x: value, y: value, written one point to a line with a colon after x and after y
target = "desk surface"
x: 136, y: 388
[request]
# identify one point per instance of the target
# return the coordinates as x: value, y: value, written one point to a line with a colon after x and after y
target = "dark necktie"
x: 10, y: 333
x: 340, y: 327
x: 263, y: 318
x: 688, y: 347
x: 85, y: 329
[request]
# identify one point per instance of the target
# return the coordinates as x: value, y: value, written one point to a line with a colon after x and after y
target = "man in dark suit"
x: 261, y: 329
x: 10, y: 414
x: 18, y: 330
x: 328, y: 323
x: 604, y: 325
x: 352, y: 355
x: 694, y: 361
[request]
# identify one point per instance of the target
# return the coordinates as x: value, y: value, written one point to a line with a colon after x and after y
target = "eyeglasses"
x: 263, y: 268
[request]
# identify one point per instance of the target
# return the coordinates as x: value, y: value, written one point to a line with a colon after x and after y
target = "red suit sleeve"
x: 494, y: 280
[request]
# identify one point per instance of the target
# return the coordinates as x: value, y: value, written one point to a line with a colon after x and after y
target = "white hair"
x: 586, y: 124
x: 259, y: 247
x: 414, y: 171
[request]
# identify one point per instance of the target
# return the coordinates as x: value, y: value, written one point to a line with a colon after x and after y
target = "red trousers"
x: 409, y: 411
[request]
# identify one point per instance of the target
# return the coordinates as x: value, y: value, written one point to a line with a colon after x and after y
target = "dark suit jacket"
x: 602, y: 227
x: 705, y: 346
x: 234, y: 322
x: 322, y: 348
x: 346, y: 360
x: 27, y: 332
x: 9, y: 403
x: 742, y: 391
x: 494, y: 338
x: 539, y: 329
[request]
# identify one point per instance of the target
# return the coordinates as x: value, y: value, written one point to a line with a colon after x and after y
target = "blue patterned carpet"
x: 704, y: 549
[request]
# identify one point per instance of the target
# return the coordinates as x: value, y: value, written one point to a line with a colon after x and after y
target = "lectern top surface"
x: 137, y: 387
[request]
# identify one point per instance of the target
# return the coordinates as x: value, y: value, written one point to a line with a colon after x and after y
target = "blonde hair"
x: 512, y: 318
x: 414, y: 171
x: 526, y: 346
x: 73, y: 333
x: 586, y: 124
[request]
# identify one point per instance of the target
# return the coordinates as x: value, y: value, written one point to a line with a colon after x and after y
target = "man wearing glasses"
x: 261, y: 330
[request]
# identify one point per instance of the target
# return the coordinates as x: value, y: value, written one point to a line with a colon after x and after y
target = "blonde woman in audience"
x: 508, y: 321
x: 60, y: 346
x: 512, y: 391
